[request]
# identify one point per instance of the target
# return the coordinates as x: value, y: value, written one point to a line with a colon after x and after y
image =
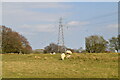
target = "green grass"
x: 90, y: 65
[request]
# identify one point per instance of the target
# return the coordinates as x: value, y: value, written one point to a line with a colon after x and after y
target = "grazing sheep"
x: 37, y: 57
x: 68, y: 56
x: 68, y: 52
x: 54, y: 53
x: 62, y: 56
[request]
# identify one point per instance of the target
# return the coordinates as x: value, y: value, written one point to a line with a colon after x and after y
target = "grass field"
x: 89, y: 65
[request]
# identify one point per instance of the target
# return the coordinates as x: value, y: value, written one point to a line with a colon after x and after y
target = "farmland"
x: 83, y: 65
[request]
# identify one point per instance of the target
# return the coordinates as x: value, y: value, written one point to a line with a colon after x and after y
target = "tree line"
x: 13, y: 42
x: 97, y: 44
x: 93, y: 44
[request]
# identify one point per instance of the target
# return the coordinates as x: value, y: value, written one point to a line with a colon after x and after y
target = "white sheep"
x: 62, y: 56
x: 51, y: 53
x: 68, y: 56
x: 54, y: 53
x: 68, y: 52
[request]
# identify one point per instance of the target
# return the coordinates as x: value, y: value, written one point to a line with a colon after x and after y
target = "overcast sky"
x: 38, y: 21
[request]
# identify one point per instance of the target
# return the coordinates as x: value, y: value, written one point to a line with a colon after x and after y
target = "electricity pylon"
x: 61, y: 35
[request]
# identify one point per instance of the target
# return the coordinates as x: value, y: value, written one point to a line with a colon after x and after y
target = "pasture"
x: 82, y: 65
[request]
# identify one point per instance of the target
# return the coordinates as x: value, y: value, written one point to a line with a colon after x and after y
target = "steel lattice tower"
x: 60, y: 35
